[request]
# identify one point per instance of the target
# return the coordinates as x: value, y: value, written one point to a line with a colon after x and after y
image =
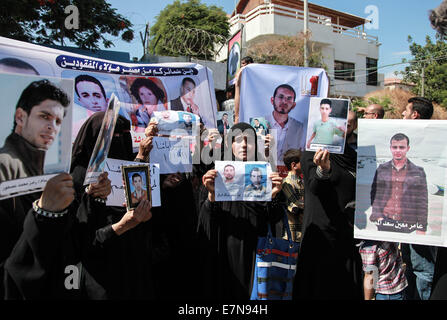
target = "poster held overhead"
x: 281, y: 95
x: 327, y: 124
x: 98, y: 158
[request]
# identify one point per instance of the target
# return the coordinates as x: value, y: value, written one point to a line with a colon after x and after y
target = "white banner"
x: 281, y: 95
x: 140, y: 88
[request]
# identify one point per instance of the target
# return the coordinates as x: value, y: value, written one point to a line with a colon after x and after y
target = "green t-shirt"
x: 325, y: 131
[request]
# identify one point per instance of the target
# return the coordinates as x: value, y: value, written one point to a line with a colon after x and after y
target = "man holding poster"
x: 399, y: 195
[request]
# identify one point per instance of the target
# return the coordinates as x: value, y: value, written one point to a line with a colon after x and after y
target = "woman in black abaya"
x: 118, y: 260
x: 229, y: 230
x: 329, y: 264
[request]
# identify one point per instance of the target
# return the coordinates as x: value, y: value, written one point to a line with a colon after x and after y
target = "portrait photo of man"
x: 325, y: 129
x: 399, y: 196
x: 14, y: 65
x: 38, y: 118
x: 139, y: 192
x: 256, y: 188
x: 290, y: 133
x: 223, y: 124
x: 186, y: 100
x: 92, y: 98
x: 230, y: 182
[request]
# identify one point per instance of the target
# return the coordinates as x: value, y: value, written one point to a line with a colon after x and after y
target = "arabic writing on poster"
x: 16, y: 187
x: 172, y: 154
x: 75, y: 63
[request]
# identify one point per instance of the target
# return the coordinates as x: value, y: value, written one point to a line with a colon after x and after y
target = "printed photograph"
x: 137, y: 184
x: 401, y: 181
x: 327, y: 124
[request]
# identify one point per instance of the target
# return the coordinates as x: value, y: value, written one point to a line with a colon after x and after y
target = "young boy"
x: 293, y: 188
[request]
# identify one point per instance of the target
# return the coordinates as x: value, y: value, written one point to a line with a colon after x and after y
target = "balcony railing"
x: 270, y: 8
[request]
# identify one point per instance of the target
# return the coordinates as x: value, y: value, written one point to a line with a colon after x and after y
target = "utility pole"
x: 306, y: 26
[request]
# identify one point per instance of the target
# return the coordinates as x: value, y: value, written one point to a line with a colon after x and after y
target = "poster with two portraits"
x: 401, y: 178
x: 284, y: 101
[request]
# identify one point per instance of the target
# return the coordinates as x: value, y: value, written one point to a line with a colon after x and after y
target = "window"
x: 344, y: 70
x: 371, y: 74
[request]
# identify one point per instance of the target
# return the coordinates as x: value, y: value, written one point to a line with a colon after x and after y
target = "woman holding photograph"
x: 117, y: 262
x: 329, y: 266
x: 229, y: 231
x: 150, y: 98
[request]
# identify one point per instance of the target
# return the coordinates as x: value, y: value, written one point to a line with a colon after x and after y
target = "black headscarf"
x: 242, y: 126
x: 120, y: 147
x: 347, y: 160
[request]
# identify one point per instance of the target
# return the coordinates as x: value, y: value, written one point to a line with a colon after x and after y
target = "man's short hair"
x: 326, y: 101
x: 136, y: 175
x: 143, y: 82
x: 423, y: 106
x: 247, y: 60
x: 17, y: 63
x: 400, y: 137
x: 39, y: 91
x: 229, y: 165
x: 255, y: 169
x: 291, y: 155
x: 188, y: 79
x: 285, y: 86
x: 88, y: 78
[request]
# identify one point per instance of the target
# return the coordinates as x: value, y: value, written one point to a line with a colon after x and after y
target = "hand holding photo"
x: 102, y: 146
x: 136, y: 184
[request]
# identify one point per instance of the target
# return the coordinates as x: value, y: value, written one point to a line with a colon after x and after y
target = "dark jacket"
x: 414, y: 199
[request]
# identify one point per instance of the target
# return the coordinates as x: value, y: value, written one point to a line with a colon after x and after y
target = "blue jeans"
x: 420, y: 261
x: 394, y: 296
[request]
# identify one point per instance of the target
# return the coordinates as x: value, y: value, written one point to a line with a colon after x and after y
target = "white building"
x: 341, y: 37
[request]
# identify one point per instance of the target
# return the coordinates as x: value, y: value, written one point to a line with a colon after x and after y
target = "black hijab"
x: 347, y: 160
x: 120, y: 147
x: 240, y: 127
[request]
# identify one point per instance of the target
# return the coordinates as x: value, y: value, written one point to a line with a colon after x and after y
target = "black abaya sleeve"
x: 35, y: 269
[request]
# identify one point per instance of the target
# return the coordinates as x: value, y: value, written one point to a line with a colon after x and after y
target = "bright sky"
x: 397, y: 20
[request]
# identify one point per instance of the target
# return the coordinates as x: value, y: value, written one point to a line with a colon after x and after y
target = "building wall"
x: 353, y: 47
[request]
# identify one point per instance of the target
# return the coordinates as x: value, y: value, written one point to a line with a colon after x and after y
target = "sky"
x: 397, y: 19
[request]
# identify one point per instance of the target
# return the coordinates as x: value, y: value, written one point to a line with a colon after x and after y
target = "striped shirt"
x: 384, y: 257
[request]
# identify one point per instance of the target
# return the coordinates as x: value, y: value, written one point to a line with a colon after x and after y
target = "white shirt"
x: 280, y: 134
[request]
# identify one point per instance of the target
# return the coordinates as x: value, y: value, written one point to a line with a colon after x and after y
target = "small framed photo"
x: 136, y: 184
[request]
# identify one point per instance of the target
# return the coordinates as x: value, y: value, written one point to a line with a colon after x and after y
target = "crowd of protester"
x: 193, y: 248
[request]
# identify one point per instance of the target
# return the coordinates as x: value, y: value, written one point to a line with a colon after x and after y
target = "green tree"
x: 189, y: 29
x: 429, y: 60
x: 286, y: 50
x: 43, y: 22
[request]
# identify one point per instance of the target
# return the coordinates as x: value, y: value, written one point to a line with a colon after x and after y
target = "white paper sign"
x: 172, y: 154
x: 118, y: 196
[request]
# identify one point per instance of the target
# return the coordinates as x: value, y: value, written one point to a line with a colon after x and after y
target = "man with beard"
x: 290, y: 133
